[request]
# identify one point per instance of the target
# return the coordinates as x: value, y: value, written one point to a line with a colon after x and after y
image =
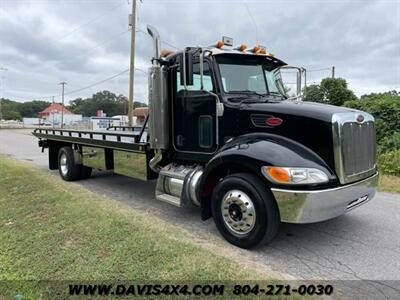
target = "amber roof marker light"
x: 219, y: 44
x: 256, y: 49
x: 241, y: 47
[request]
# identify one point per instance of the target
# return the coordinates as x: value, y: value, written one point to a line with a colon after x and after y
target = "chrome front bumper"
x: 296, y: 206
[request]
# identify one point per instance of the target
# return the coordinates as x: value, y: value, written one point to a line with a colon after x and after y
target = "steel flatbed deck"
x: 117, y: 140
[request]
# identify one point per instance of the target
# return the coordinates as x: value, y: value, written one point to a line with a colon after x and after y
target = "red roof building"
x: 140, y: 113
x: 53, y: 109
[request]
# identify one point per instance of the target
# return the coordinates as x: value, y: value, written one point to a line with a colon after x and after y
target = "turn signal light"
x: 294, y: 175
x: 278, y: 174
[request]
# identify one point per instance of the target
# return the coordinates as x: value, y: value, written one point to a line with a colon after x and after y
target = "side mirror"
x: 186, y: 68
x: 300, y: 72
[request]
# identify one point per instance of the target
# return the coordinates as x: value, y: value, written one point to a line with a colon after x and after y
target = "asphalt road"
x: 363, y: 244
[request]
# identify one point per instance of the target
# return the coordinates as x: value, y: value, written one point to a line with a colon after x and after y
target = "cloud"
x: 83, y: 42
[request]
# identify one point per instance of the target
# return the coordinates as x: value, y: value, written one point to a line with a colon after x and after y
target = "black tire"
x: 86, y: 172
x: 264, y: 223
x: 68, y: 169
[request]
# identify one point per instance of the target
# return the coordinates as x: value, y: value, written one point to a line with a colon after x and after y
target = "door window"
x: 207, y: 80
x: 205, y: 131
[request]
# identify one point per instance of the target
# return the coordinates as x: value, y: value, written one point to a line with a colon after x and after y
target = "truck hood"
x: 307, y: 123
x: 305, y: 109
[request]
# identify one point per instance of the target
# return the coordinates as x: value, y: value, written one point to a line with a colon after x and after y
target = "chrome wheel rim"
x: 238, y: 212
x: 63, y: 164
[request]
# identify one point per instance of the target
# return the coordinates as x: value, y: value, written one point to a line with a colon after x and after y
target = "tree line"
x: 385, y: 107
x: 110, y: 103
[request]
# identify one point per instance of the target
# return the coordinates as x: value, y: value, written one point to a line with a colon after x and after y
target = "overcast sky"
x: 82, y: 42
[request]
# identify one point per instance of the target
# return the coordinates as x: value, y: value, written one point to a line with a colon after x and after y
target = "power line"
x: 162, y: 41
x: 169, y: 44
x: 80, y: 89
x: 114, y: 37
x: 97, y: 83
x: 254, y: 21
x: 74, y: 91
x: 90, y: 21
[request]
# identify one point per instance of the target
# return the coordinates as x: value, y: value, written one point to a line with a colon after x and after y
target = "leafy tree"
x: 138, y: 104
x: 385, y: 107
x: 11, y: 115
x: 13, y: 110
x: 389, y: 162
x: 10, y: 109
x: 331, y: 91
x: 32, y: 108
x: 107, y: 101
x: 75, y: 105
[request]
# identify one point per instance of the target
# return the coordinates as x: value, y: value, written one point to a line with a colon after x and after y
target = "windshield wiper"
x: 277, y: 94
x: 248, y: 92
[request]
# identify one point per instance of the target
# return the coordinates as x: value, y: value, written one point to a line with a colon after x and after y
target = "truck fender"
x: 248, y: 153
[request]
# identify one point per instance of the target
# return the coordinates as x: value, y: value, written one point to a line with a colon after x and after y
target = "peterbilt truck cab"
x: 259, y: 157
x: 224, y: 135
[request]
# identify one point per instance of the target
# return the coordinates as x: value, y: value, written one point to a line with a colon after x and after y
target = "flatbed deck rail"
x: 126, y: 141
x: 124, y: 128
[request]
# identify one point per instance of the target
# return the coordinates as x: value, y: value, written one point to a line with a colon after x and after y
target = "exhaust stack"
x: 156, y: 44
x: 158, y: 103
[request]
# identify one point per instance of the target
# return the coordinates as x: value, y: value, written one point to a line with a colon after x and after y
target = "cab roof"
x: 214, y: 51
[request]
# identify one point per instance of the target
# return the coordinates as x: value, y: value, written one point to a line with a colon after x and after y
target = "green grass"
x: 389, y: 183
x: 53, y: 230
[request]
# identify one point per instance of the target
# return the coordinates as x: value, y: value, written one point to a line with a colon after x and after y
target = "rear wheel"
x: 245, y: 211
x: 67, y: 166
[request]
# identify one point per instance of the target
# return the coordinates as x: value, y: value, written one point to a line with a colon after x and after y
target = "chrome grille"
x: 358, y: 147
x: 354, y: 146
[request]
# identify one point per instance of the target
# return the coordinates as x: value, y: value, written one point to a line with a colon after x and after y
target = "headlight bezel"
x: 294, y: 175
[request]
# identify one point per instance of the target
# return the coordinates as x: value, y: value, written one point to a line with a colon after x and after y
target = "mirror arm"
x: 219, y: 105
x: 201, y: 69
x: 184, y: 68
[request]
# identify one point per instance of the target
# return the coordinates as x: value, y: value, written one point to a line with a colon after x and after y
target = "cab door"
x: 194, y: 113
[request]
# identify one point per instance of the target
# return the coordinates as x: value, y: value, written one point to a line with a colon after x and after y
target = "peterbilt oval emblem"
x: 273, y: 121
x: 360, y: 118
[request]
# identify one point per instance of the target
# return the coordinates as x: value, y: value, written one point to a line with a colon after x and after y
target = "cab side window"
x: 207, y: 80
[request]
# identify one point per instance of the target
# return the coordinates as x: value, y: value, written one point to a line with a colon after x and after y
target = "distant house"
x: 54, y: 108
x: 140, y: 113
x: 56, y: 111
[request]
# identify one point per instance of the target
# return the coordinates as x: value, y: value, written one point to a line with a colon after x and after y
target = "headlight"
x: 286, y: 175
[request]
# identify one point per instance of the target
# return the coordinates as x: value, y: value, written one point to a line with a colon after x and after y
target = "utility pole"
x: 1, y: 87
x: 63, y: 83
x: 132, y: 63
x: 52, y: 111
x: 333, y: 71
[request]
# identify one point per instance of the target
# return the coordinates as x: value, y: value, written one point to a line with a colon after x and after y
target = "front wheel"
x: 245, y: 211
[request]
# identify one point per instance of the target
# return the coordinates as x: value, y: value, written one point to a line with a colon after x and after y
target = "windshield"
x: 249, y: 75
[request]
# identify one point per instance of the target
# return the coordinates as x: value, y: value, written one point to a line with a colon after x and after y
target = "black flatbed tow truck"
x: 223, y: 135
